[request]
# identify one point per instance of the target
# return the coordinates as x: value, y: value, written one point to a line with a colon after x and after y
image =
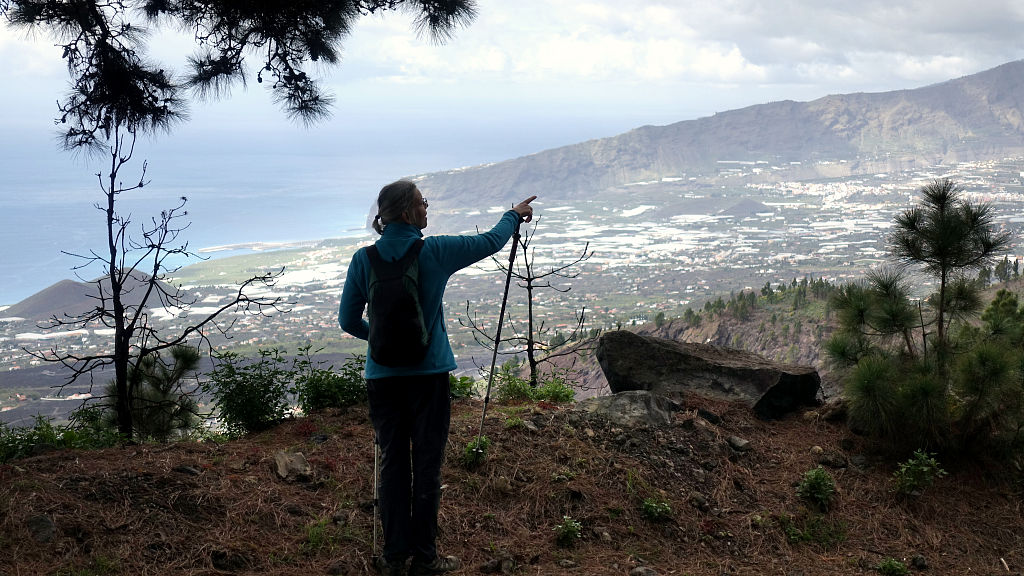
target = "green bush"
x: 510, y: 387
x: 871, y: 396
x: 818, y: 488
x: 555, y: 387
x: 461, y: 387
x: 986, y: 383
x: 916, y: 474
x: 910, y: 403
x: 892, y: 567
x: 568, y: 532
x: 92, y: 428
x: 18, y: 442
x: 161, y: 409
x: 321, y: 536
x: 813, y: 528
x: 513, y: 422
x: 317, y: 388
x: 656, y: 509
x: 252, y: 396
x: 475, y: 452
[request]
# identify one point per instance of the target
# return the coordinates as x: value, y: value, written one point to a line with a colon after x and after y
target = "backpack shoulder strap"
x: 373, y: 255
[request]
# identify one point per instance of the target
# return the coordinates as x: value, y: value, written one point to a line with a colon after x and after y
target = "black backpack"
x: 398, y: 335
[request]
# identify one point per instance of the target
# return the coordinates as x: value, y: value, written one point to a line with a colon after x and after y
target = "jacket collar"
x: 398, y: 230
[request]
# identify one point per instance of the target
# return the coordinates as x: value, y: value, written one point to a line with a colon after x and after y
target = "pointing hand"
x: 524, y: 209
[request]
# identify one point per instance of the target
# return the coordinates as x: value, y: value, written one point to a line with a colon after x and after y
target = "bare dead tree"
x: 134, y: 280
x: 117, y: 91
x: 533, y: 278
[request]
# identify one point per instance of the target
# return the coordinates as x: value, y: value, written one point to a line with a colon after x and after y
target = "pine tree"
x: 947, y: 236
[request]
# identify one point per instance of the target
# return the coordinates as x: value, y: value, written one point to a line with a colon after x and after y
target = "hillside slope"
x: 971, y: 118
x: 212, y: 508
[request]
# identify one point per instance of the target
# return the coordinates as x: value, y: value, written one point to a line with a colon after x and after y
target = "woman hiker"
x: 410, y: 404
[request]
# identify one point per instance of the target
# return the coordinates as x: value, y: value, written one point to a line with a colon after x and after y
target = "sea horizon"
x: 243, y: 186
x: 53, y: 215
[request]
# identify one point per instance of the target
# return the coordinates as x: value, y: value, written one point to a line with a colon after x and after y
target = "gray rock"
x: 832, y: 459
x: 631, y: 408
x: 673, y: 369
x: 229, y: 561
x: 739, y: 444
x: 190, y: 470
x: 710, y: 416
x: 643, y: 571
x: 602, y: 534
x: 42, y: 528
x: 292, y: 466
x: 834, y: 410
x: 502, y: 565
x: 699, y: 500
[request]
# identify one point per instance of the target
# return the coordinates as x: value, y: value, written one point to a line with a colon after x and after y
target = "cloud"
x: 544, y: 42
x: 643, y: 52
x: 28, y: 55
x: 838, y: 46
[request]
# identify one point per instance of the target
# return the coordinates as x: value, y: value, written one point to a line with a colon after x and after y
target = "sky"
x: 525, y: 76
x: 534, y: 74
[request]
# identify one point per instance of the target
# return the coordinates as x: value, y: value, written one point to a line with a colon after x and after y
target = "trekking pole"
x: 376, y: 494
x: 497, y: 335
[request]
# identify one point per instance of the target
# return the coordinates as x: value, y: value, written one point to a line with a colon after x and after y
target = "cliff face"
x: 970, y: 118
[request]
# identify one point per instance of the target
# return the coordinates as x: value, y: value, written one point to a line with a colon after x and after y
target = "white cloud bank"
x: 671, y: 55
x: 832, y: 45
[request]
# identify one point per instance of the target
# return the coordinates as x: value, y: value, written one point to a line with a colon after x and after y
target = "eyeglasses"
x: 425, y: 203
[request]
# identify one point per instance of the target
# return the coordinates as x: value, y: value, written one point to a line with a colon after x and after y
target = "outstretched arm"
x: 461, y: 251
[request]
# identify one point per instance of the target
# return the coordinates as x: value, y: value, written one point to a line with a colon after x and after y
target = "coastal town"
x: 643, y: 249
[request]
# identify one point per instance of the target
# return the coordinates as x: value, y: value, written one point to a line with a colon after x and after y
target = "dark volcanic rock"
x: 634, y: 362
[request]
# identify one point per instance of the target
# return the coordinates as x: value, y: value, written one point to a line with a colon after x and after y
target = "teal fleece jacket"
x: 441, y: 257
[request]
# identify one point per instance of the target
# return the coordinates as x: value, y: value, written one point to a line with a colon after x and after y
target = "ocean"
x: 47, y: 205
x: 246, y: 181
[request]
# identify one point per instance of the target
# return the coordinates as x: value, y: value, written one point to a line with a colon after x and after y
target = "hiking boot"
x: 389, y: 568
x: 440, y: 565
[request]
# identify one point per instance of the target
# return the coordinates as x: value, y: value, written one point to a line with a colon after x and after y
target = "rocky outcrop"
x: 674, y: 369
x: 631, y: 408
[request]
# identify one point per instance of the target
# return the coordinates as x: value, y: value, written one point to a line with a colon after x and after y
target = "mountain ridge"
x: 968, y: 118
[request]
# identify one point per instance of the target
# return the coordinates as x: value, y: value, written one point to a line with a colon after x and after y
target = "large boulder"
x: 674, y: 369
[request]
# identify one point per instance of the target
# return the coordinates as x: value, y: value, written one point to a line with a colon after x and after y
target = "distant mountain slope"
x: 71, y: 298
x: 970, y: 118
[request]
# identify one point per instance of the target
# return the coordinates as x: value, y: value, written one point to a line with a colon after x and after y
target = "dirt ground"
x: 220, y: 508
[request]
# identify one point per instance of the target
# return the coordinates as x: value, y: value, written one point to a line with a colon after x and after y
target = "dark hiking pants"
x: 410, y: 412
